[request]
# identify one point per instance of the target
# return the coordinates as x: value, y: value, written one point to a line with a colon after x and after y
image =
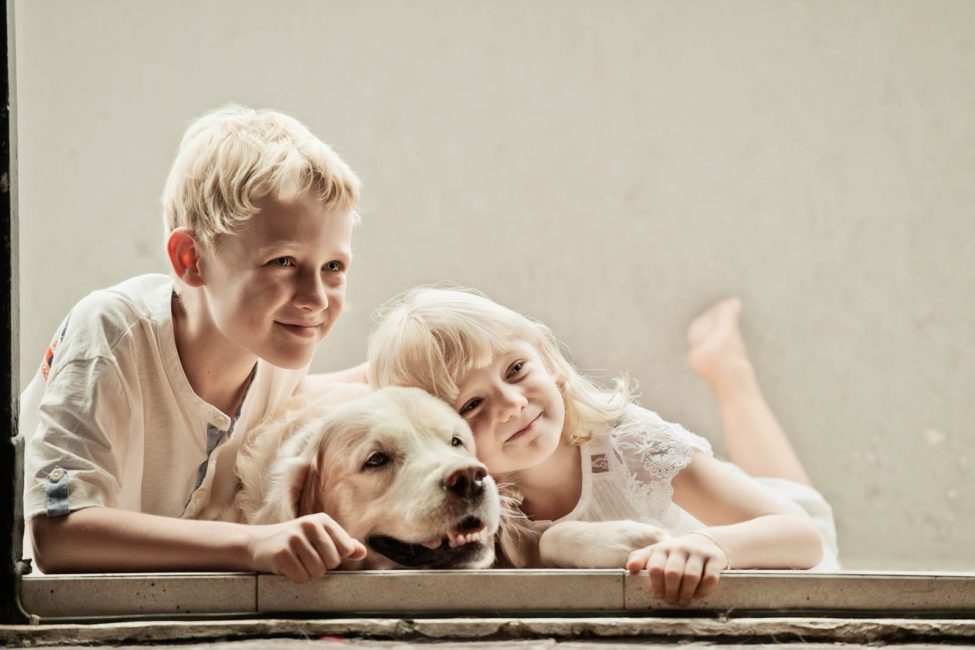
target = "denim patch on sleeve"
x: 57, y: 492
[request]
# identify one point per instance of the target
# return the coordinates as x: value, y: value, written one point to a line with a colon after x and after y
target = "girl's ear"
x: 184, y: 256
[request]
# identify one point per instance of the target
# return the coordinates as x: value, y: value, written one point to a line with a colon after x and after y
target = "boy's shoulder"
x: 102, y: 319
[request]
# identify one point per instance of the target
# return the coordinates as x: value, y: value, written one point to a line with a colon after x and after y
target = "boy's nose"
x: 310, y: 294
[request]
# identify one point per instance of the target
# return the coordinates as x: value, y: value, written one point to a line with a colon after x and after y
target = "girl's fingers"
x: 655, y: 568
x: 693, y: 570
x: 709, y: 578
x: 638, y: 559
x: 673, y: 572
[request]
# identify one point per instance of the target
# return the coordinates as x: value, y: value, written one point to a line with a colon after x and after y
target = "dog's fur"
x: 432, y: 505
x: 394, y: 467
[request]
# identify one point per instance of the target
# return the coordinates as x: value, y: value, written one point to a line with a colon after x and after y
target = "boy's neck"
x: 552, y: 488
x: 217, y: 369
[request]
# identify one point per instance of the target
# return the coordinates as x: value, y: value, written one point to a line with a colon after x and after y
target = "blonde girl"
x: 580, y: 452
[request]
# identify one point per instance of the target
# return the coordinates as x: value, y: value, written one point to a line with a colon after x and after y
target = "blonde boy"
x: 149, y: 386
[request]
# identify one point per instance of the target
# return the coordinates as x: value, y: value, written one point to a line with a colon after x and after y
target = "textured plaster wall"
x: 610, y: 168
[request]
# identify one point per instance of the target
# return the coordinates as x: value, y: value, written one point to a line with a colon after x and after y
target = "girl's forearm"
x: 769, y: 542
x: 108, y: 539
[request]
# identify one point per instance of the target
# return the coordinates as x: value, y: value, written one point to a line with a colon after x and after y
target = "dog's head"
x: 397, y: 470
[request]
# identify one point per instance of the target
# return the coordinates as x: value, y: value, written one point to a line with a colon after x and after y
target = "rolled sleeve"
x: 76, y: 455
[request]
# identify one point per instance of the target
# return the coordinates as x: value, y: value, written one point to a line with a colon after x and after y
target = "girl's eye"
x: 516, y: 368
x: 283, y: 262
x: 470, y: 406
x: 376, y: 460
x: 335, y: 267
x: 456, y: 442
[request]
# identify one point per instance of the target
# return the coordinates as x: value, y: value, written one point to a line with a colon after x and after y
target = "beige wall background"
x: 610, y: 168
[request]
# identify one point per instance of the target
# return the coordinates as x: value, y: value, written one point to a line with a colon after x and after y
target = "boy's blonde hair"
x: 429, y: 336
x: 234, y: 156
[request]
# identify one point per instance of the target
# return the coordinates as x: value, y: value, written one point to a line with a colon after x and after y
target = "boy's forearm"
x: 107, y: 539
x: 769, y: 542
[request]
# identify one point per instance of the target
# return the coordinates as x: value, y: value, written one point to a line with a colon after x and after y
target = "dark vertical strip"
x: 11, y: 448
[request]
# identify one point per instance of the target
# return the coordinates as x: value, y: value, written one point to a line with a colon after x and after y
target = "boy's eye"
x: 470, y: 406
x: 283, y: 262
x: 335, y: 266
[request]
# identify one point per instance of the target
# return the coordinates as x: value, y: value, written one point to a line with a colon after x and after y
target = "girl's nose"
x: 511, y: 402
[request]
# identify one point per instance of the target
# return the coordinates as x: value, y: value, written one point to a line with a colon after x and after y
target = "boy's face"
x: 276, y: 287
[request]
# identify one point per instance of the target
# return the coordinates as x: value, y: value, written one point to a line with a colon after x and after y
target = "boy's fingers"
x: 359, y: 551
x: 309, y: 556
x: 345, y: 544
x: 325, y: 548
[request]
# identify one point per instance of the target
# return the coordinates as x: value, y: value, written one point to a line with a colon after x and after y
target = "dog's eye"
x: 376, y: 459
x: 456, y: 442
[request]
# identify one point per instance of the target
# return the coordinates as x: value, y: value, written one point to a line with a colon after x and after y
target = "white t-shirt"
x: 111, y: 419
x: 627, y: 473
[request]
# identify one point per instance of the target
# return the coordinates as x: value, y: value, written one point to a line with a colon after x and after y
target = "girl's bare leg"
x: 755, y: 440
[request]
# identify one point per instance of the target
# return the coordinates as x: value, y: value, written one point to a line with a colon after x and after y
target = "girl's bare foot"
x: 717, y: 351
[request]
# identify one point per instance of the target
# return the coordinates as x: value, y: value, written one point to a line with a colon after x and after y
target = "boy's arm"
x: 108, y: 540
x: 319, y: 382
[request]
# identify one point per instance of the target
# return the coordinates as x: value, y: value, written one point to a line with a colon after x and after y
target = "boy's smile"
x: 514, y: 408
x: 275, y: 289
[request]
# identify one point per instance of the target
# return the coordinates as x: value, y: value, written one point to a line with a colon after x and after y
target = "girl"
x: 577, y: 452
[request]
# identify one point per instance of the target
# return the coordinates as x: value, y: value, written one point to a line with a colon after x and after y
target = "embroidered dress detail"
x: 649, y: 452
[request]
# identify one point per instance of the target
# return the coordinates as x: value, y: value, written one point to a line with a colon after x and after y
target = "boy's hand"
x: 302, y: 548
x: 681, y: 568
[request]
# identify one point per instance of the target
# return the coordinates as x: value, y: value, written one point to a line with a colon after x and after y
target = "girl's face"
x: 514, y: 408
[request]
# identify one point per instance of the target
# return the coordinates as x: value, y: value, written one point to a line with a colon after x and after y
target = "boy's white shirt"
x: 116, y: 412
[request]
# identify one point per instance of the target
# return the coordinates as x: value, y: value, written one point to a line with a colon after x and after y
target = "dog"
x: 395, y: 467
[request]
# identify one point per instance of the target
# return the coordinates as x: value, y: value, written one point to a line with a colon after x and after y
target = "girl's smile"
x: 514, y: 407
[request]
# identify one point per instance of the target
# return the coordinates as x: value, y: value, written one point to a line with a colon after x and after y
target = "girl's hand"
x: 681, y: 568
x: 302, y: 548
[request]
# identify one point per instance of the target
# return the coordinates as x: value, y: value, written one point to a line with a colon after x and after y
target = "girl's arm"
x: 747, y: 529
x: 110, y: 540
x: 319, y: 382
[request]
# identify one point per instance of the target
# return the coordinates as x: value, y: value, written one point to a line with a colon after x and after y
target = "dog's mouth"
x: 462, y: 545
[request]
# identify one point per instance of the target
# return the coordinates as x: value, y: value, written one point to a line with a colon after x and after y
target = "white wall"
x: 610, y: 168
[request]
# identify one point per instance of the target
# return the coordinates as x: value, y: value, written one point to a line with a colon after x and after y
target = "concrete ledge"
x: 887, y: 630
x: 491, y: 593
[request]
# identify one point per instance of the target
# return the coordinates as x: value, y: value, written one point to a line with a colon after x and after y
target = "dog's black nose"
x: 466, y: 482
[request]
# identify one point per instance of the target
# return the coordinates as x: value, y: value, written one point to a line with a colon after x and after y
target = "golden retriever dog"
x: 394, y: 467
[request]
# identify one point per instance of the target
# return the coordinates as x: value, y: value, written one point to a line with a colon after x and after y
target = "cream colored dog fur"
x: 394, y: 467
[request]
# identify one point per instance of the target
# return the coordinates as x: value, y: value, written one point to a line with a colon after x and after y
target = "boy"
x: 149, y: 386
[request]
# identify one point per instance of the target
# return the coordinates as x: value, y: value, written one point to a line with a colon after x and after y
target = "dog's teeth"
x: 433, y: 542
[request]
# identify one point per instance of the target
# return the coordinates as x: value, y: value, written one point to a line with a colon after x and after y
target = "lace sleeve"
x: 649, y: 452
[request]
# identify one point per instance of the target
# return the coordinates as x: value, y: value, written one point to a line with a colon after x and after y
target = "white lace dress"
x: 627, y: 473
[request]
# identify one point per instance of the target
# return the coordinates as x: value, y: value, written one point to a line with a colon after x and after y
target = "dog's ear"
x: 307, y: 488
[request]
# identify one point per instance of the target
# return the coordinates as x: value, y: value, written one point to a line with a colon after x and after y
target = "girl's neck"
x: 552, y: 488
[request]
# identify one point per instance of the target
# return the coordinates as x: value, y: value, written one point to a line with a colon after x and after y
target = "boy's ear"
x: 184, y: 256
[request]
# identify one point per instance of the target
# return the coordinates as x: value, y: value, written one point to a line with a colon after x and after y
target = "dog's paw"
x: 596, y: 545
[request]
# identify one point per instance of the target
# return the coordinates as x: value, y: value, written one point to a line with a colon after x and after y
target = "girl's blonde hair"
x: 234, y: 156
x: 429, y: 336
